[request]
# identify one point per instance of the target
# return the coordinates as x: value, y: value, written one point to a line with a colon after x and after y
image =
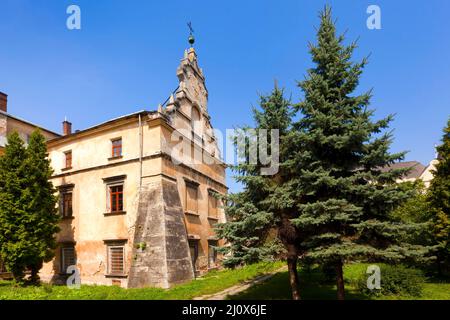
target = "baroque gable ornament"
x: 192, y: 80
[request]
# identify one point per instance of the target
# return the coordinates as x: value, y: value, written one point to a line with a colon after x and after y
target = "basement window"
x: 116, y: 259
x: 67, y: 257
x: 212, y: 253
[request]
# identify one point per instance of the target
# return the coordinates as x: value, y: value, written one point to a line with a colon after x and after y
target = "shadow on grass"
x: 312, y: 287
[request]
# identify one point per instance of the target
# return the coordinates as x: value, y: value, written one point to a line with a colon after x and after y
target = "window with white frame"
x: 115, y: 190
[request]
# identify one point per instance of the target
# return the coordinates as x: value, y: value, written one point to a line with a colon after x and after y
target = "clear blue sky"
x: 125, y: 57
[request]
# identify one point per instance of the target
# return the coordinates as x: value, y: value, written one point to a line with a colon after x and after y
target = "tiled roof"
x: 416, y: 168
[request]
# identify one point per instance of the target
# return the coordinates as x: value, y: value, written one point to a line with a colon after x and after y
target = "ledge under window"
x: 115, y: 158
x: 192, y: 213
x: 66, y: 169
x: 213, y: 218
x: 116, y: 213
x: 67, y: 218
x: 122, y: 276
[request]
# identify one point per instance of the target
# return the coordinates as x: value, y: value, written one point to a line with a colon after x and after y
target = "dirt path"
x: 222, y: 295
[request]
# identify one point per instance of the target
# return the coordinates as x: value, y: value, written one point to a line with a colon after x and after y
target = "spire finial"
x: 191, y: 38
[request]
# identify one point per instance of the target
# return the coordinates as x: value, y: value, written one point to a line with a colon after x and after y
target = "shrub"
x: 395, y: 280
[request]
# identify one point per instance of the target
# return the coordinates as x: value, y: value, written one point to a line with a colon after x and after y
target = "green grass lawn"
x: 214, y: 281
x: 313, y: 287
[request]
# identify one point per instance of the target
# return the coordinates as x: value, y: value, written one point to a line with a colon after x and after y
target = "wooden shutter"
x: 212, y: 205
x: 191, y: 198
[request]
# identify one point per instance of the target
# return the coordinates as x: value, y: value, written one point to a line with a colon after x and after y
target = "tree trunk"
x: 34, y: 278
x: 340, y: 281
x: 293, y: 276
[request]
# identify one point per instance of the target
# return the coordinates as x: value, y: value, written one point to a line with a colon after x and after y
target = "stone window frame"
x: 114, y: 244
x: 114, y: 182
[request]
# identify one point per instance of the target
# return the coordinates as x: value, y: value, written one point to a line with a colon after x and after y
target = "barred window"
x: 67, y: 257
x: 116, y: 259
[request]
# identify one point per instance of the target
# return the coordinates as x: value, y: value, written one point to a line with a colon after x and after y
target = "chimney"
x: 3, y: 102
x: 67, y: 128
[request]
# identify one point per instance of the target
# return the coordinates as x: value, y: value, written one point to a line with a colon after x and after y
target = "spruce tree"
x: 439, y: 200
x: 345, y: 197
x: 259, y: 217
x: 28, y: 219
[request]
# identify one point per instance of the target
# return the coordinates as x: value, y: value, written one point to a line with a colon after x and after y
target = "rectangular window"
x: 68, y: 155
x: 191, y: 198
x: 117, y: 148
x: 212, y: 204
x: 116, y: 198
x: 66, y: 205
x: 193, y: 248
x: 212, y: 253
x: 116, y: 259
x: 67, y: 257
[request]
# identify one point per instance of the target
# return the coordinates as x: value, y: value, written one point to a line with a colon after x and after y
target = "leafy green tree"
x: 12, y: 214
x: 28, y: 219
x: 344, y: 196
x: 439, y: 199
x: 259, y: 217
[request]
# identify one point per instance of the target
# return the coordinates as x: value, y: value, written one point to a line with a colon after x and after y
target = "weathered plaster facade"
x: 163, y: 243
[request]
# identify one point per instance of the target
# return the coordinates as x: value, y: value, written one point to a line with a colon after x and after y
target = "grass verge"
x: 214, y: 281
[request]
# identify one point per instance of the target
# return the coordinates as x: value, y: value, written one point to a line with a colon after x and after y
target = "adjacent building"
x: 10, y: 123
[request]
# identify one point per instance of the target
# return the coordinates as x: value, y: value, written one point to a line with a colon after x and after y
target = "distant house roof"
x: 80, y: 132
x: 416, y: 168
x: 28, y: 123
